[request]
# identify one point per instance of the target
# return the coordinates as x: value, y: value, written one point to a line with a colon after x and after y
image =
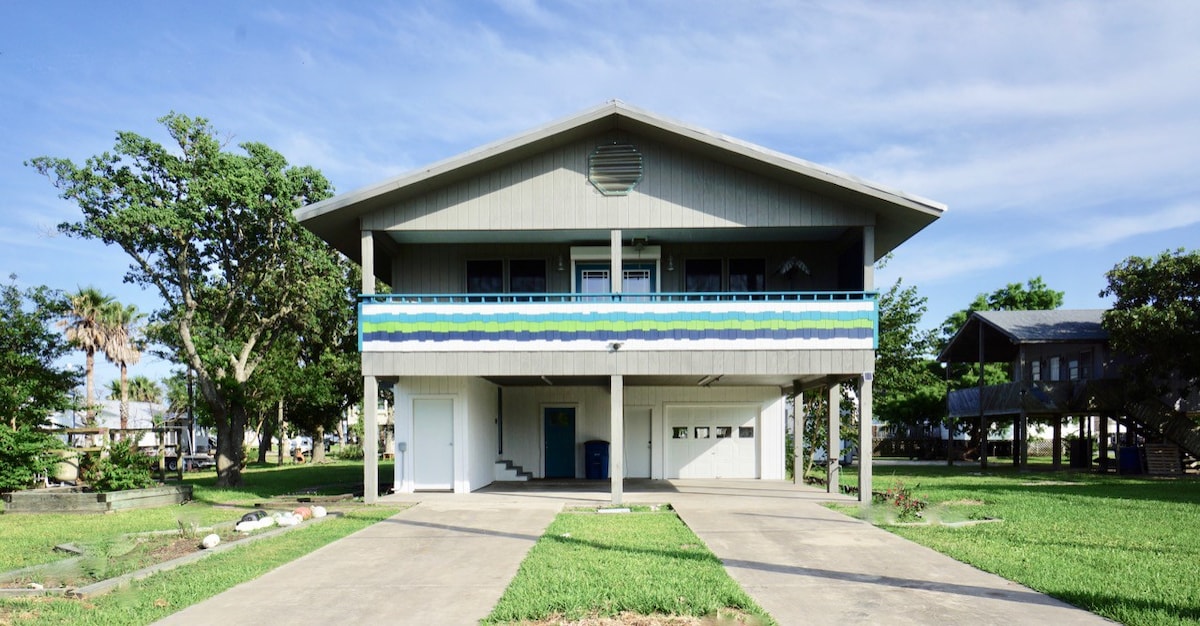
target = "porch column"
x: 616, y: 447
x: 866, y: 439
x: 868, y: 238
x: 616, y: 275
x: 368, y: 262
x: 370, y: 442
x: 797, y: 434
x: 833, y: 447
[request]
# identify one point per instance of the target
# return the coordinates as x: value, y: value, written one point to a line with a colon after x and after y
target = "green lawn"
x: 1126, y: 548
x: 29, y: 539
x: 643, y: 562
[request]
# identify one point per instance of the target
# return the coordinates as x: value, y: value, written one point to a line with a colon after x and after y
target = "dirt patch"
x: 120, y: 556
x: 965, y: 502
x: 1049, y: 483
x: 727, y: 617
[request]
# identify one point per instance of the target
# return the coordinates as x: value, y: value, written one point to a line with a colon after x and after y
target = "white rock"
x: 288, y: 520
x: 36, y: 586
x: 267, y: 522
x: 319, y: 511
x: 245, y: 527
x: 210, y: 541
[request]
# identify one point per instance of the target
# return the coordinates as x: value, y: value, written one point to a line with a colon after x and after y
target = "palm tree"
x: 141, y: 389
x: 87, y: 328
x: 123, y: 348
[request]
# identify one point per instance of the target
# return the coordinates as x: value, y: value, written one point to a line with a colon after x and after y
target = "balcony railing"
x: 1040, y: 397
x: 626, y: 321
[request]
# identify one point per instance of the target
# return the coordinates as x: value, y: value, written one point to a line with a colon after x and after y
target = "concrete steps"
x: 508, y: 471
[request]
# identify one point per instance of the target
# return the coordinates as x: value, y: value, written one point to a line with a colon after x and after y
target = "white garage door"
x: 712, y: 442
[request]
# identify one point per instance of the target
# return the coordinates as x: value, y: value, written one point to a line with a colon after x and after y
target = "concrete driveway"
x: 448, y: 559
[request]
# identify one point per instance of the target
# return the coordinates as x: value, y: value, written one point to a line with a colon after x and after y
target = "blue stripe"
x: 725, y: 335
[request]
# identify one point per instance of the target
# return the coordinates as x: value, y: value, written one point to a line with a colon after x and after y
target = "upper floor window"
x: 1055, y: 368
x: 485, y: 276
x: 1073, y: 369
x: 1035, y: 370
x: 747, y: 275
x: 527, y: 276
x: 702, y: 275
x: 1085, y: 365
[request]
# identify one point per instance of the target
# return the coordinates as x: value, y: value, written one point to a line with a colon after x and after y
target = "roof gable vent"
x: 615, y: 169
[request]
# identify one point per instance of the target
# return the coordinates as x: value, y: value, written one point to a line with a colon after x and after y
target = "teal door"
x: 560, y: 442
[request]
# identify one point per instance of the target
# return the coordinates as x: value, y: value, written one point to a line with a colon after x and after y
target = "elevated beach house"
x: 612, y: 277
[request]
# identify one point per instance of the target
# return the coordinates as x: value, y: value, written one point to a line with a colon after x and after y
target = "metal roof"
x: 1005, y: 331
x: 899, y: 215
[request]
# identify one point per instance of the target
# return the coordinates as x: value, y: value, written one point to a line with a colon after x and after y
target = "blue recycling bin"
x: 1129, y: 460
x: 595, y: 455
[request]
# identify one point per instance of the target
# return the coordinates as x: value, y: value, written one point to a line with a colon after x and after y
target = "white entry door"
x: 433, y: 443
x: 637, y: 442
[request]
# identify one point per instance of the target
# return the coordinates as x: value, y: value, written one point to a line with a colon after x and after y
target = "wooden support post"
x: 833, y: 445
x: 797, y: 434
x: 1056, y: 437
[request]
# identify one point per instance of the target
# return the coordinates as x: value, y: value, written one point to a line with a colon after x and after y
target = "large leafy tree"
x: 88, y: 327
x: 1154, y: 321
x: 212, y: 232
x: 327, y: 379
x: 909, y: 386
x: 1034, y: 295
x: 31, y: 386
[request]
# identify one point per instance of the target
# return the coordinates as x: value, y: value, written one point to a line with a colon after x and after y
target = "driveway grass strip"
x: 647, y: 563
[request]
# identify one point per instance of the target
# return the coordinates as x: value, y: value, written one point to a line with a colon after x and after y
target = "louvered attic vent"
x: 615, y: 169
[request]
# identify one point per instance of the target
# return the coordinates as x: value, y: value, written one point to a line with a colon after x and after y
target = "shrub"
x: 123, y: 468
x: 908, y: 506
x: 350, y: 452
x: 25, y: 454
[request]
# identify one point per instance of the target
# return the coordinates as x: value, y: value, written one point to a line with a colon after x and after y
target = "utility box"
x: 595, y: 459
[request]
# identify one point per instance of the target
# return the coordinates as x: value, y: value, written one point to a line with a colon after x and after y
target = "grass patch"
x: 29, y: 539
x: 589, y: 565
x: 1125, y: 548
x: 163, y: 594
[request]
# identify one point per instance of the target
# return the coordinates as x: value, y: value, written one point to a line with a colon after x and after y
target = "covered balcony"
x: 841, y: 320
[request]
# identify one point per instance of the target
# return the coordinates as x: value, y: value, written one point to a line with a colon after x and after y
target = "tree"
x: 140, y: 389
x: 31, y: 386
x: 909, y: 387
x: 327, y: 380
x: 123, y: 348
x: 1034, y: 295
x: 212, y: 232
x: 1154, y: 320
x: 89, y: 329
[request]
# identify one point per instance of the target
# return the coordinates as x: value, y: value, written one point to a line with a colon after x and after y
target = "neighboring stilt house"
x: 1062, y: 369
x: 616, y: 278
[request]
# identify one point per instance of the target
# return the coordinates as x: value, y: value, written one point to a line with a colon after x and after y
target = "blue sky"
x: 1064, y: 136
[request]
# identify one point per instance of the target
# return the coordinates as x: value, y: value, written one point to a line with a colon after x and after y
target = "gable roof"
x: 899, y: 215
x: 1005, y: 331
